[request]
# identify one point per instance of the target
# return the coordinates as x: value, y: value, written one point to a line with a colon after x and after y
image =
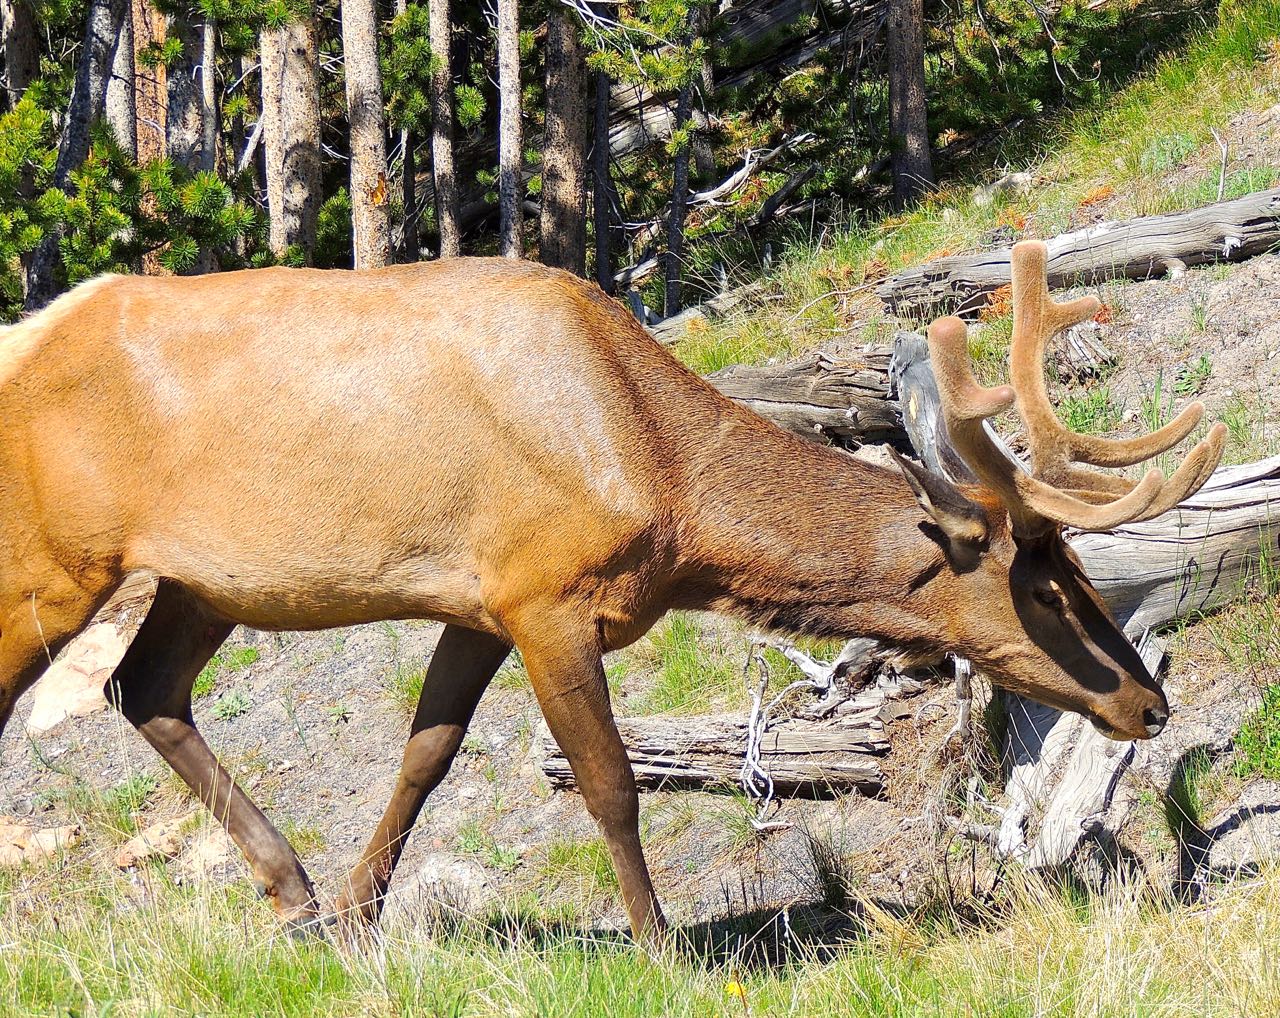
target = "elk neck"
x: 802, y: 538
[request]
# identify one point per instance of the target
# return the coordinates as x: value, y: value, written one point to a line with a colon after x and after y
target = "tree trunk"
x: 908, y: 113
x: 371, y: 228
x: 679, y: 206
x: 184, y: 127
x: 88, y: 98
x: 151, y: 85
x: 121, y: 102
x: 703, y: 157
x: 409, y: 239
x: 510, y: 142
x: 803, y: 757
x: 440, y: 27
x: 209, y: 116
x: 291, y: 112
x: 21, y: 44
x: 601, y: 203
x: 410, y: 243
x: 563, y: 225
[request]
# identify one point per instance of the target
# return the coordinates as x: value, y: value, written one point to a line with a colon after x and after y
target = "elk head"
x: 1005, y: 539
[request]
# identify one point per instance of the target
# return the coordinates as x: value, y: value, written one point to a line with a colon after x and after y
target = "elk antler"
x: 1058, y: 489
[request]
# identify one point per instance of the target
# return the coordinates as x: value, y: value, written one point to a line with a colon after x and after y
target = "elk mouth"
x: 1107, y: 729
x: 1152, y: 728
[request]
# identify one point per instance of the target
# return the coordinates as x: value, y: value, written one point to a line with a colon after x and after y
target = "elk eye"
x: 1050, y: 597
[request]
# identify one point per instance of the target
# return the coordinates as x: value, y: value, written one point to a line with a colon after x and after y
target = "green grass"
x: 474, y: 840
x: 232, y: 704
x: 1092, y: 412
x: 1257, y: 744
x: 113, y: 810
x: 233, y: 659
x: 405, y: 684
x: 694, y: 670
x: 584, y: 864
x: 200, y: 950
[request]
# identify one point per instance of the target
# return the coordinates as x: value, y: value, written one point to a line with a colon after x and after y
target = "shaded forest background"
x: 664, y: 147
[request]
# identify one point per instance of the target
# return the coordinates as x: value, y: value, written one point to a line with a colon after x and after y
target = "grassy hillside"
x: 1115, y: 159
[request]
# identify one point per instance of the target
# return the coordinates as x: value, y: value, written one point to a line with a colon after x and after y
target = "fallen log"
x: 804, y: 757
x: 1130, y: 249
x: 842, y: 402
x: 673, y: 329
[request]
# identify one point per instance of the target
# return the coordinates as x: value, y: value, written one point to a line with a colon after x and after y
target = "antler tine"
x: 1037, y: 318
x: 1191, y: 475
x: 1056, y: 451
x: 1032, y: 504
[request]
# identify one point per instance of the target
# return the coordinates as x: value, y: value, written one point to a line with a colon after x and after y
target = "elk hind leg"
x: 461, y: 667
x: 152, y: 688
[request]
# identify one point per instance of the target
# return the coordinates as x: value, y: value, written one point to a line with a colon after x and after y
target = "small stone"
x: 207, y: 854
x: 24, y: 843
x: 159, y: 841
x: 72, y: 686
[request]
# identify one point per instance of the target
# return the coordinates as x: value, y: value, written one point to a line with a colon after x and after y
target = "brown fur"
x: 492, y: 444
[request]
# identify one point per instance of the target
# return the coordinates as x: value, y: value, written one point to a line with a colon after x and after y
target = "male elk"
x: 498, y: 446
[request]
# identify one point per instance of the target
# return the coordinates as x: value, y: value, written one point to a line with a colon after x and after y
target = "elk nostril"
x: 1154, y: 718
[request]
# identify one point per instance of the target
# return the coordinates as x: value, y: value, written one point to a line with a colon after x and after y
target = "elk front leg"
x: 152, y: 688
x: 460, y: 670
x: 568, y: 679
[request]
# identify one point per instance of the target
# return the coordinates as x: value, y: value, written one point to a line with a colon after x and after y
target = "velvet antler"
x: 1058, y: 489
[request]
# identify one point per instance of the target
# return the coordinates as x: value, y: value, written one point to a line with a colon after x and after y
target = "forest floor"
x: 505, y: 901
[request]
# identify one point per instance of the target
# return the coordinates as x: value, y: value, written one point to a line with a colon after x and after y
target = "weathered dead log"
x: 1128, y: 249
x: 842, y: 402
x: 673, y: 329
x: 804, y: 758
x: 1193, y: 558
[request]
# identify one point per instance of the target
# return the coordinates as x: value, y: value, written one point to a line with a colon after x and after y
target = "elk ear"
x: 959, y: 517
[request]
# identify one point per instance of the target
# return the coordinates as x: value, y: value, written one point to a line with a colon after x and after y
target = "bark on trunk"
x: 409, y: 237
x: 371, y: 227
x: 840, y: 402
x: 679, y: 206
x: 408, y: 250
x: 21, y: 48
x: 803, y: 757
x: 151, y: 85
x: 1132, y: 249
x: 209, y: 116
x: 184, y: 128
x: 563, y: 226
x: 121, y: 102
x: 88, y: 98
x: 908, y: 113
x: 510, y: 141
x: 440, y: 28
x: 291, y: 112
x: 601, y: 200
